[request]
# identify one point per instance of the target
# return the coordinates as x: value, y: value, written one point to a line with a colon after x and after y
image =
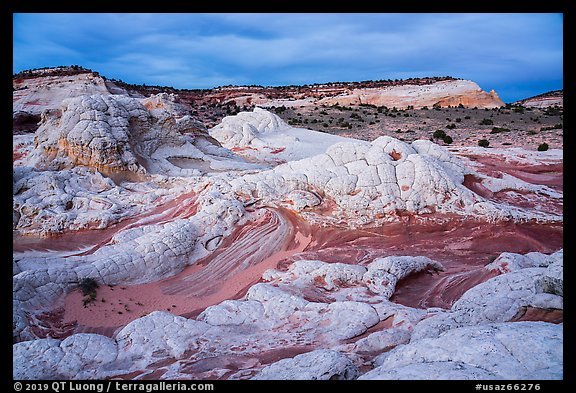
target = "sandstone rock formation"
x: 271, y: 315
x: 546, y: 100
x: 263, y: 136
x: 118, y: 135
x: 36, y: 94
x: 382, y: 179
x: 319, y: 364
x: 520, y: 350
x: 58, y: 182
x: 443, y: 94
x: 136, y: 192
x: 503, y: 298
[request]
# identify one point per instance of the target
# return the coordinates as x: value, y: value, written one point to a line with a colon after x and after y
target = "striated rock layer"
x: 443, y: 94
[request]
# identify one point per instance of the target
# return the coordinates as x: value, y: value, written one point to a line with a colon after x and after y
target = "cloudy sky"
x: 518, y: 55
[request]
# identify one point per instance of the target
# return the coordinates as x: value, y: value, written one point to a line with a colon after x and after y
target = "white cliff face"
x: 35, y: 95
x: 443, y: 93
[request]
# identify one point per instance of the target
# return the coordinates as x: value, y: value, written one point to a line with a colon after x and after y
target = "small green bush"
x: 486, y: 122
x: 498, y: 130
x: 439, y: 134
x: 543, y: 147
x: 88, y: 286
x: 448, y: 139
x: 483, y: 143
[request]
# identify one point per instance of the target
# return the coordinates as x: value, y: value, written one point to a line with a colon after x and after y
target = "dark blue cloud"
x: 515, y: 54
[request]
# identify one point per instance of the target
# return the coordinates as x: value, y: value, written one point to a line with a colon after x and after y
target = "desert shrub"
x: 451, y: 126
x: 558, y: 126
x: 519, y: 109
x: 448, y: 139
x: 498, y: 130
x: 553, y: 111
x: 543, y: 147
x: 88, y: 287
x: 483, y: 143
x: 439, y: 134
x: 486, y: 122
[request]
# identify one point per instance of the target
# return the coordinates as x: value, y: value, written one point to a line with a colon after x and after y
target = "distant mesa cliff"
x: 442, y: 93
x: 545, y: 100
x: 35, y: 91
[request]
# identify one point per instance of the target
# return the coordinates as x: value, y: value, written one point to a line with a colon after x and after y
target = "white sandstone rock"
x: 79, y: 356
x: 263, y: 136
x: 381, y: 178
x: 516, y: 350
x: 383, y: 273
x: 500, y: 299
x: 320, y: 364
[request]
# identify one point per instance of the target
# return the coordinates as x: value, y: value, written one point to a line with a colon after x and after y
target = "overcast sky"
x: 518, y: 55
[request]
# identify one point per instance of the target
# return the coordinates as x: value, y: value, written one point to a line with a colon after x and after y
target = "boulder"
x: 322, y: 364
x: 513, y: 351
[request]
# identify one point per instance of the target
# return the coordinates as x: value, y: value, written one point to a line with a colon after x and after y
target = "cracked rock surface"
x: 138, y: 195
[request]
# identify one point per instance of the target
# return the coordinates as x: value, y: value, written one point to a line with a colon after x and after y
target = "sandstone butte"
x: 257, y: 250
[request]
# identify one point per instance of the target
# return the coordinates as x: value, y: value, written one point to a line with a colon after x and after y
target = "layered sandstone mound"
x: 546, y: 100
x: 66, y: 178
x: 263, y: 136
x: 443, y: 93
x: 34, y: 95
x: 119, y: 135
x: 44, y: 90
x: 380, y: 180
